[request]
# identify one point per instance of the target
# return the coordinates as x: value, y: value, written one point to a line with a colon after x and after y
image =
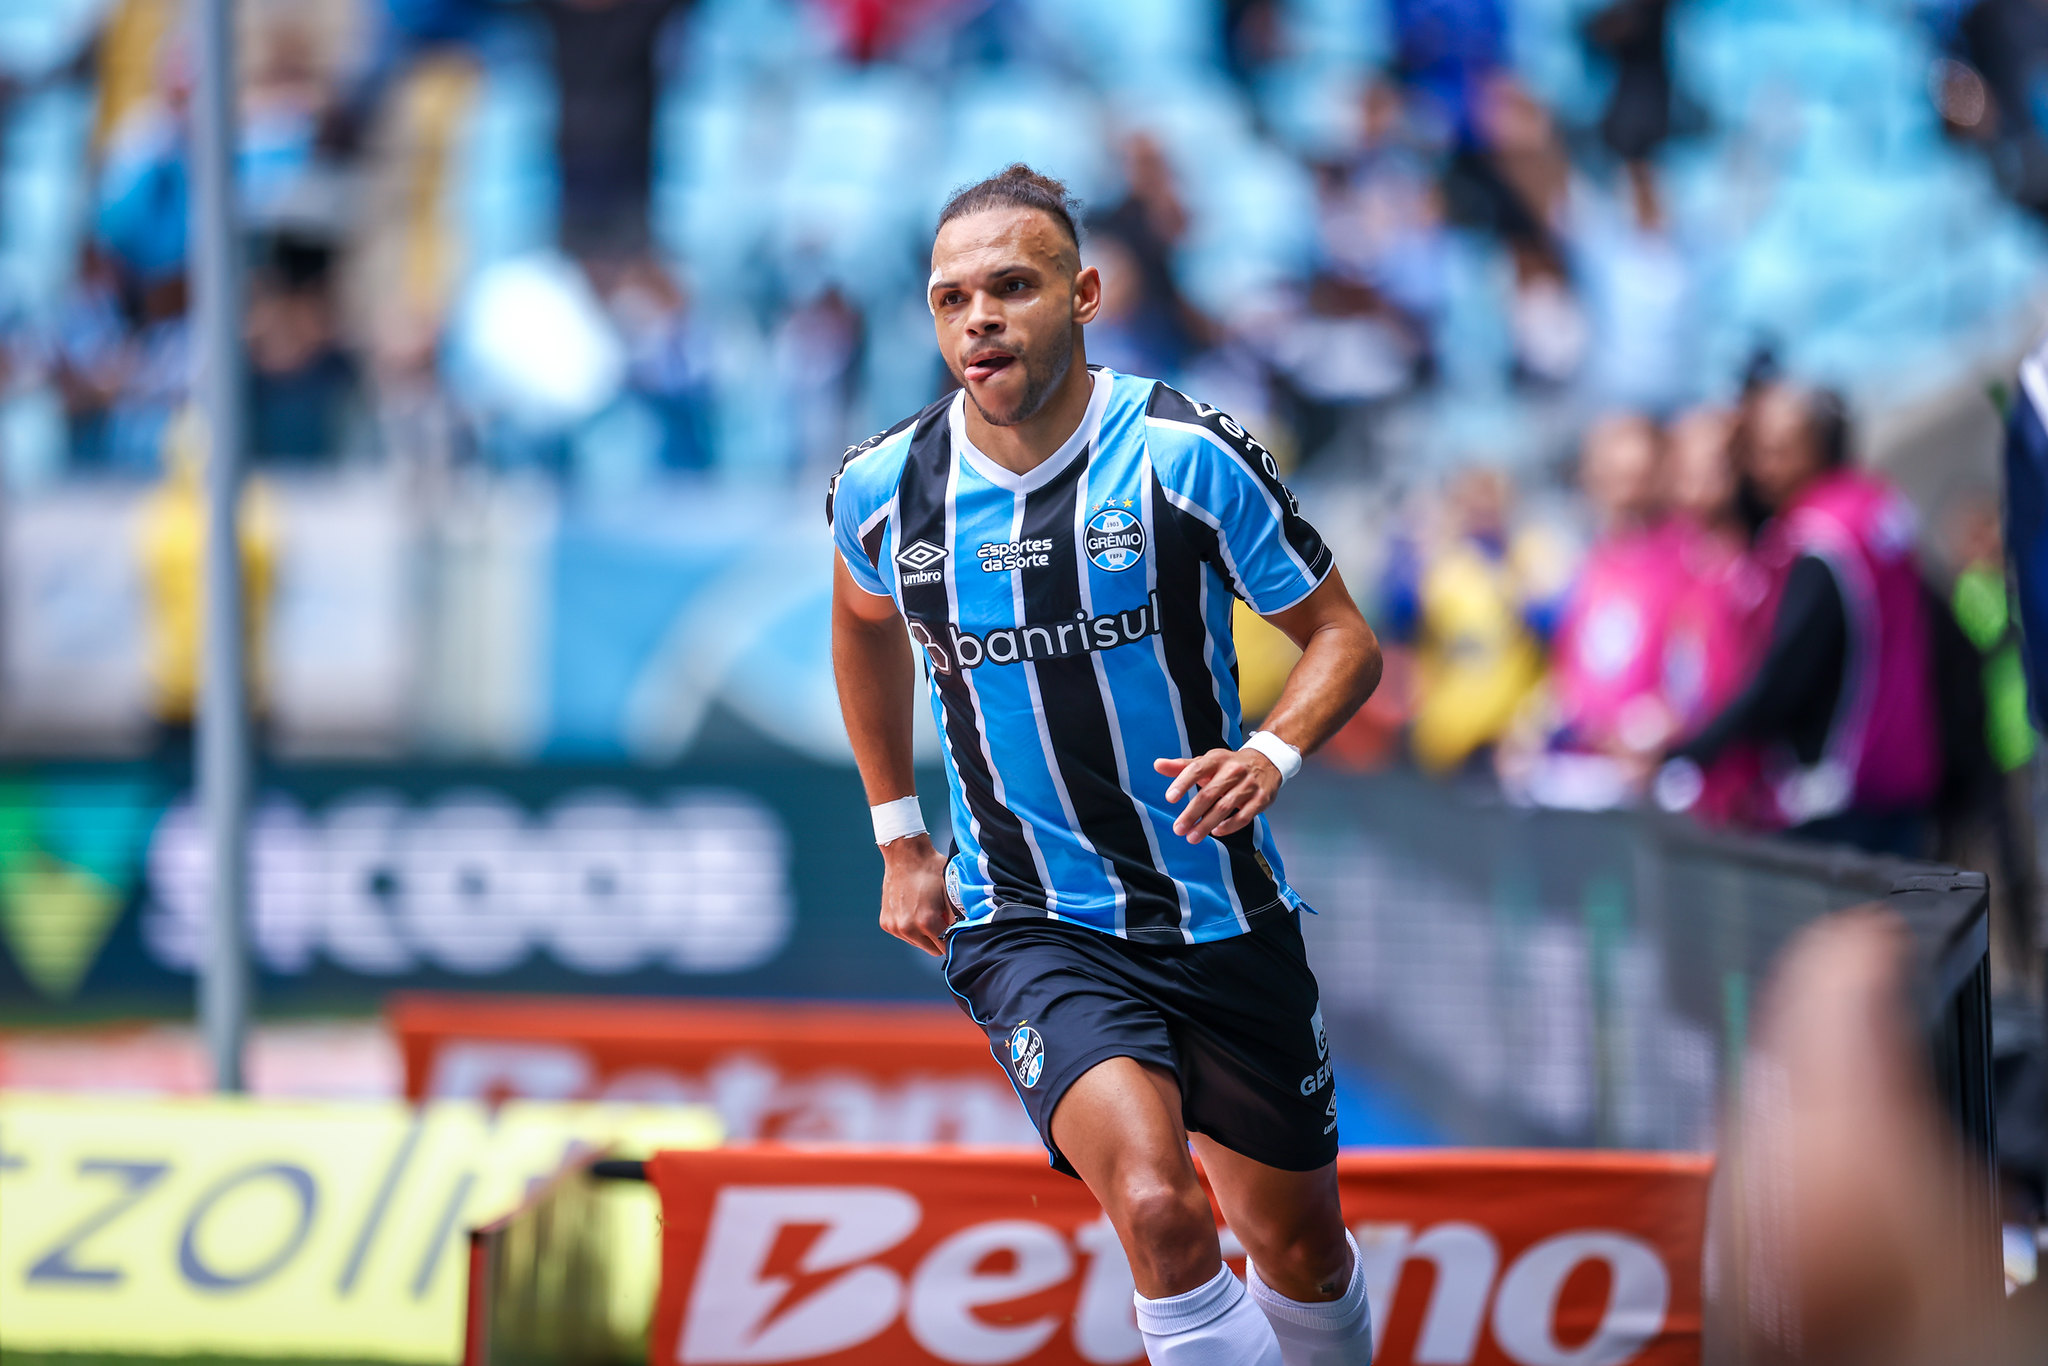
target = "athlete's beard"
x: 1042, y: 375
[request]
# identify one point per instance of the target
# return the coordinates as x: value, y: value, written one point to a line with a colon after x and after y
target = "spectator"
x: 668, y: 358
x: 1712, y: 642
x: 92, y: 356
x: 1448, y: 50
x: 1382, y: 214
x: 1638, y: 283
x: 817, y: 357
x: 604, y: 57
x: 1148, y: 224
x: 1634, y: 35
x: 304, y: 389
x: 1843, y: 700
x: 171, y: 536
x: 1995, y: 832
x: 1607, y: 662
x: 1476, y: 604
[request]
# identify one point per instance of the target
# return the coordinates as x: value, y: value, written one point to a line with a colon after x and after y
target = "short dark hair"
x: 1017, y: 186
x: 1827, y: 412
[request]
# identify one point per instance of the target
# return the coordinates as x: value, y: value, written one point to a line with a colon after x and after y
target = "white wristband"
x: 894, y: 820
x: 1285, y: 757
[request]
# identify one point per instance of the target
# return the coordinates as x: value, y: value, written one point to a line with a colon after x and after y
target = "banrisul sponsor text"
x: 1033, y: 643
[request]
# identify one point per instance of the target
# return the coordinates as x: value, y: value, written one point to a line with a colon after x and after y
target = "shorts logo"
x: 1322, y: 1035
x: 1027, y: 1055
x: 918, y: 563
x: 1115, y: 539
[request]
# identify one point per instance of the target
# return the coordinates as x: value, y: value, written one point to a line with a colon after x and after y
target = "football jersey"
x: 1075, y: 626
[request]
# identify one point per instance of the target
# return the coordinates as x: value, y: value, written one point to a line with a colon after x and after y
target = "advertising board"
x: 895, y: 1073
x: 272, y: 1228
x: 743, y: 879
x: 959, y: 1256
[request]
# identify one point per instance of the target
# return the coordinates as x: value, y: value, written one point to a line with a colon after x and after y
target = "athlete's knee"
x: 1170, y: 1231
x: 1303, y: 1265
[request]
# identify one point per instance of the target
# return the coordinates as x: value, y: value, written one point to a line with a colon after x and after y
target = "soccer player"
x: 1064, y: 544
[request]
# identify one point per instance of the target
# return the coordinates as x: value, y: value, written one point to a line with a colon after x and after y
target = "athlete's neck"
x: 1025, y: 446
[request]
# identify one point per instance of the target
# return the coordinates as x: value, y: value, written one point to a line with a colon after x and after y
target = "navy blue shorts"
x: 1237, y: 1021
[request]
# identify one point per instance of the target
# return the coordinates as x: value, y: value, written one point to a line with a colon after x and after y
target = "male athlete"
x: 1064, y: 544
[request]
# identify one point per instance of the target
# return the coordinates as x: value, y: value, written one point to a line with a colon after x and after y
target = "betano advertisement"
x: 273, y: 1228
x: 896, y: 1073
x: 956, y: 1257
x: 755, y: 879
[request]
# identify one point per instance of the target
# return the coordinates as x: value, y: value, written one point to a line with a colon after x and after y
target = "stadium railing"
x: 1557, y: 978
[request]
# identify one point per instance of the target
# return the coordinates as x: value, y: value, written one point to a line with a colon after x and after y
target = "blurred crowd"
x: 476, y: 227
x: 1751, y: 636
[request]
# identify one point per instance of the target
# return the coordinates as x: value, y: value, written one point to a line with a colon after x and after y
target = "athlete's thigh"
x: 1119, y: 1117
x: 1119, y: 1125
x: 1290, y: 1222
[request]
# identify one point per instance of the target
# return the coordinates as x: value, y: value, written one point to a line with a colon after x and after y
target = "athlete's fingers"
x: 1194, y: 772
x: 1245, y: 814
x: 1216, y: 799
x: 1227, y: 805
x: 1169, y: 767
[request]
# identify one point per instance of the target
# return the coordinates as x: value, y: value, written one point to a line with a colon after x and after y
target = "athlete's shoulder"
x: 869, y: 470
x: 1188, y: 438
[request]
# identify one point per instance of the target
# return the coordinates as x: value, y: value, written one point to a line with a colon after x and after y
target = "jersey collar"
x: 1046, y: 470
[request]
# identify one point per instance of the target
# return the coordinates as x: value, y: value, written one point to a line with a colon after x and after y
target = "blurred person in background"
x: 1843, y: 700
x: 1634, y: 35
x: 1360, y: 334
x: 92, y: 353
x: 1142, y: 231
x: 171, y: 550
x: 1717, y: 623
x: 1381, y: 222
x: 1996, y: 829
x: 1842, y: 1226
x: 305, y: 390
x: 1606, y: 698
x: 669, y: 358
x: 1639, y: 288
x: 604, y: 58
x: 1447, y: 50
x: 1476, y: 600
x: 1997, y: 98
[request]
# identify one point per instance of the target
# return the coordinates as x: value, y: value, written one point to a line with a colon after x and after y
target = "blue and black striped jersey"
x: 1075, y: 622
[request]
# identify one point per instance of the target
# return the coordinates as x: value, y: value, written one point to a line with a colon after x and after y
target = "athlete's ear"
x: 1087, y: 294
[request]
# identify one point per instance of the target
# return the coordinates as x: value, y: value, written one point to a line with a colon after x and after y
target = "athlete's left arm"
x: 1338, y: 670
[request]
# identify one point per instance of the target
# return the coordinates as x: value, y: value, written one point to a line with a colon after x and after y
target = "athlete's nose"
x: 983, y: 317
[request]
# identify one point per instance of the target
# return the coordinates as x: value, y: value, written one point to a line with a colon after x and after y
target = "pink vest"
x: 1883, y: 750
x: 1607, y: 666
x: 1716, y: 634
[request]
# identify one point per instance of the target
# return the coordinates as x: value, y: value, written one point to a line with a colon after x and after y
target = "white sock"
x: 1212, y: 1325
x: 1335, y: 1333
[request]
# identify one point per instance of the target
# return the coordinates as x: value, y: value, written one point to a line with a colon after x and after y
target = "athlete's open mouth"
x: 987, y: 365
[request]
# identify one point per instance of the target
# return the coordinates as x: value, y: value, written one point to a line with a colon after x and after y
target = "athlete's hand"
x: 915, y: 907
x: 1231, y: 786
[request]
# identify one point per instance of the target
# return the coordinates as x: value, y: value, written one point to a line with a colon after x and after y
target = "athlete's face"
x: 1009, y: 297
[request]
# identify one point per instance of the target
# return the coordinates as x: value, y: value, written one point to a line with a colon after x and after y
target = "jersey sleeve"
x: 857, y: 507
x: 1218, y: 473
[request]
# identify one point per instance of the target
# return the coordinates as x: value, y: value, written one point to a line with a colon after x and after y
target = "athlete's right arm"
x: 876, y: 671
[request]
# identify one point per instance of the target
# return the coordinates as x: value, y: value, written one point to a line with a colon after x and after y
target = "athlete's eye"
x: 1012, y: 286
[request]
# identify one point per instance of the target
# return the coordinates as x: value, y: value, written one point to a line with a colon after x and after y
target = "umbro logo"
x: 919, y: 562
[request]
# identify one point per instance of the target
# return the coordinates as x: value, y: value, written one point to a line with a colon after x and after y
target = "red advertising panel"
x: 890, y: 1258
x: 901, y: 1074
